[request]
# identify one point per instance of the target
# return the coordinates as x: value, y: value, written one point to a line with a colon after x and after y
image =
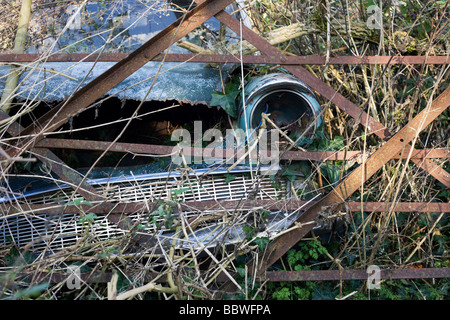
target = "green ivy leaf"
x: 302, y: 293
x: 179, y: 191
x: 229, y: 178
x: 262, y: 242
x: 282, y: 294
x: 331, y: 172
x: 249, y: 232
x: 336, y: 144
x: 291, y: 257
x: 31, y: 292
x: 79, y: 201
x: 441, y: 3
x: 226, y: 101
x: 87, y: 218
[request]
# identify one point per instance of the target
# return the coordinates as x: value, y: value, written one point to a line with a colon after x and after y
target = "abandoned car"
x: 180, y: 94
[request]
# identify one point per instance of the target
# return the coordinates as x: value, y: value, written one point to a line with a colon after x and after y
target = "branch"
x: 19, y: 47
x: 283, y: 34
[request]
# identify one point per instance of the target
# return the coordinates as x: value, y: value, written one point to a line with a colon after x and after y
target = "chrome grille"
x: 51, y: 232
x: 56, y: 232
x: 212, y: 188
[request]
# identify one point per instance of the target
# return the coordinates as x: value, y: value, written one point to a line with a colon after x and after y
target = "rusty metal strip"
x: 151, y: 149
x: 433, y: 169
x: 336, y: 275
x: 126, y: 67
x: 147, y: 149
x: 440, y: 153
x: 228, y: 58
x: 272, y: 276
x: 328, y: 92
x: 399, y: 207
x: 104, y: 208
x: 276, y: 276
x: 332, y: 201
x: 291, y: 205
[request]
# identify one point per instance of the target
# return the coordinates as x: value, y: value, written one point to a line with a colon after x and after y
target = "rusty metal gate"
x: 395, y: 145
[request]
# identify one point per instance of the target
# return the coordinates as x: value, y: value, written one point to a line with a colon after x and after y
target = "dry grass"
x: 390, y: 94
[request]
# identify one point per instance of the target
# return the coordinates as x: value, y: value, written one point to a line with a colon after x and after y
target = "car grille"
x: 54, y: 232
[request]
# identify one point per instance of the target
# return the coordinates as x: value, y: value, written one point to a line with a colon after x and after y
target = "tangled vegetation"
x: 391, y: 94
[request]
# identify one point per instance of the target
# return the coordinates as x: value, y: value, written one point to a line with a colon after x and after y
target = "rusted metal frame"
x: 337, y: 275
x: 332, y: 201
x: 55, y: 164
x: 332, y: 95
x: 104, y: 208
x: 362, y: 117
x: 151, y: 149
x: 272, y: 276
x: 95, y: 89
x: 228, y: 58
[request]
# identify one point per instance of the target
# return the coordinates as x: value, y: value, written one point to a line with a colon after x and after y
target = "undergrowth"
x: 390, y: 93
